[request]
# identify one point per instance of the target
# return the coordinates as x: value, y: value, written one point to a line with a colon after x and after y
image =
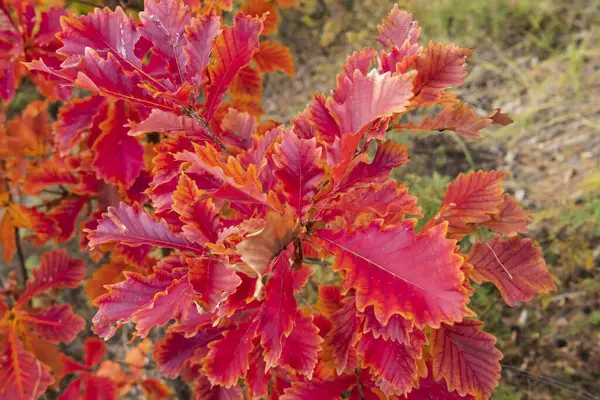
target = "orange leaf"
x: 273, y: 57
x: 107, y: 274
x: 247, y: 86
x: 442, y: 67
x: 462, y: 120
x: 258, y: 8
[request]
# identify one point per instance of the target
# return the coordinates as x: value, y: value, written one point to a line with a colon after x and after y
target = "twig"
x: 20, y: 254
x: 578, y: 392
x: 200, y: 121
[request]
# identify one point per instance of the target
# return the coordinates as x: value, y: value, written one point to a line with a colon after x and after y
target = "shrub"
x: 226, y: 223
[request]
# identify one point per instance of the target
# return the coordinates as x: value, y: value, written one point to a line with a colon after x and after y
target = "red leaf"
x: 205, y: 390
x: 511, y: 218
x: 174, y: 350
x: 358, y: 61
x: 398, y: 329
x: 94, y: 350
x: 398, y: 27
x: 323, y: 390
x: 274, y: 57
x: 400, y: 59
x: 344, y: 334
x: 119, y: 158
x: 57, y: 270
x: 166, y: 305
x: 23, y: 376
x: 212, y: 281
x: 65, y: 216
x: 74, y: 118
x: 471, y: 199
x: 200, y: 34
x: 110, y: 79
x: 277, y: 314
x: 392, y: 363
x: 239, y: 127
x: 299, y: 169
x: 300, y: 348
x: 321, y: 119
x: 232, y: 50
x: 55, y: 324
x: 388, y: 199
x: 198, y: 213
x: 163, y: 24
x: 417, y: 276
x: 442, y: 67
x: 107, y: 274
x: 257, y: 378
x: 389, y: 156
x: 370, y: 97
x: 103, y: 30
x: 228, y: 358
x: 432, y: 390
x: 134, y: 227
x: 514, y: 265
x: 466, y: 358
x: 125, y: 299
x: 167, y: 122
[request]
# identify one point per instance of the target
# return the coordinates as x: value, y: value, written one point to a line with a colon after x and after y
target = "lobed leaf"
x: 57, y: 270
x: 417, y: 276
x: 23, y: 376
x: 133, y: 227
x: 514, y: 265
x: 233, y: 49
x: 55, y: 324
x: 466, y: 358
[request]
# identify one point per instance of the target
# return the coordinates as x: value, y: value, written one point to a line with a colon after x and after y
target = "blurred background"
x: 538, y: 60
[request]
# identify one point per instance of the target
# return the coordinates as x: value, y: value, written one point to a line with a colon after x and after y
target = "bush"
x: 291, y: 263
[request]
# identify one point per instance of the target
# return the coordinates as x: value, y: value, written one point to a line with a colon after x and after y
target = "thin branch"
x: 578, y: 392
x: 20, y: 253
x: 21, y: 256
x: 200, y: 121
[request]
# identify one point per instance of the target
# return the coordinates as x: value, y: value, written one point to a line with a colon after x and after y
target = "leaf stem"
x: 200, y: 121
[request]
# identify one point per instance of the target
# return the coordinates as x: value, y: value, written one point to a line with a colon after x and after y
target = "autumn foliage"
x: 211, y: 222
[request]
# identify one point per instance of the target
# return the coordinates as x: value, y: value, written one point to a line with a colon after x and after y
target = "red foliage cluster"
x: 168, y: 150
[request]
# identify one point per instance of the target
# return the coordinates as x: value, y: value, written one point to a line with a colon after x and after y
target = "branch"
x: 20, y: 254
x: 200, y: 121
